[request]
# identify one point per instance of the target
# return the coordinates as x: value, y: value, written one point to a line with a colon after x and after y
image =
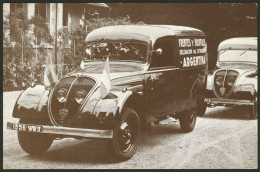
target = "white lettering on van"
x: 201, y: 50
x: 185, y: 52
x: 184, y: 62
x: 194, y: 61
x: 185, y: 42
x: 199, y: 42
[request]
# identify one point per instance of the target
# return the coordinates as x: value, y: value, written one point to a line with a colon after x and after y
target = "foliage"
x: 20, y: 65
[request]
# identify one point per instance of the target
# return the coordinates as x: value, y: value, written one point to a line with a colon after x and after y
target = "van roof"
x: 239, y: 43
x: 141, y: 32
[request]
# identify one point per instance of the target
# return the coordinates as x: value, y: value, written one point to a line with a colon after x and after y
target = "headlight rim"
x: 234, y: 80
x: 65, y: 95
x: 82, y: 98
x: 216, y: 81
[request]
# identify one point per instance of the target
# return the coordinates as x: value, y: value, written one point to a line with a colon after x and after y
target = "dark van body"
x: 156, y: 72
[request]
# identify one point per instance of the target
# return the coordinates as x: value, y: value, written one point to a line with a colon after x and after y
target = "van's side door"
x: 192, y: 57
x: 162, y: 80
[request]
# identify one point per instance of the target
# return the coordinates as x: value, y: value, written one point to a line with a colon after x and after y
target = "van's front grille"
x: 63, y: 113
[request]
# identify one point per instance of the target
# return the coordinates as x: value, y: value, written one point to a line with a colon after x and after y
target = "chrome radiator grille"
x: 63, y: 113
x: 225, y: 88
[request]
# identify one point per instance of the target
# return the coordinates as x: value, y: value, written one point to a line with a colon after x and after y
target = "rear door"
x: 162, y: 79
x: 192, y: 58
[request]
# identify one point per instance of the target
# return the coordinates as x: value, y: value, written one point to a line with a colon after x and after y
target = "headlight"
x: 80, y: 96
x: 61, y: 95
x: 231, y: 80
x: 219, y: 80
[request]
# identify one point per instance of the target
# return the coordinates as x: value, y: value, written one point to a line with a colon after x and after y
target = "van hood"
x: 119, y: 81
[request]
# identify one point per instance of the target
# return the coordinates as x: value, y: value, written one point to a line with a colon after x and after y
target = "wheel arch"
x: 135, y: 102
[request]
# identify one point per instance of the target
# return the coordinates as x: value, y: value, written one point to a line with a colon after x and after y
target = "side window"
x: 167, y: 57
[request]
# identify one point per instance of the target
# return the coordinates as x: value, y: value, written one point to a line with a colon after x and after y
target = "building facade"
x: 60, y: 15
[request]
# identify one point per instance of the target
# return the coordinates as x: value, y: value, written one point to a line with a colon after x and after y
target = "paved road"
x: 223, y: 138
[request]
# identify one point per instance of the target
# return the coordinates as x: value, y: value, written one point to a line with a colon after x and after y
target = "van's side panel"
x: 192, y: 59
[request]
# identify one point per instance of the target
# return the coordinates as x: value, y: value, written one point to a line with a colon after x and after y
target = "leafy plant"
x: 20, y: 65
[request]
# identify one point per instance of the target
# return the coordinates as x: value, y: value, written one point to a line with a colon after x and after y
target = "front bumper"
x: 216, y: 101
x: 66, y: 131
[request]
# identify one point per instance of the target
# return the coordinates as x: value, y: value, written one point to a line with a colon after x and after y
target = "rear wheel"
x: 33, y: 143
x: 254, y: 109
x: 188, y: 120
x: 126, y: 132
x: 201, y: 108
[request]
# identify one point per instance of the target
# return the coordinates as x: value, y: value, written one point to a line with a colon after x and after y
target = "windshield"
x: 238, y: 56
x: 129, y: 51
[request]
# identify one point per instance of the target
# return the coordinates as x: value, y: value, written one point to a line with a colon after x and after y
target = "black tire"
x: 201, y: 109
x: 254, y: 109
x: 34, y: 143
x: 125, y: 136
x: 188, y: 120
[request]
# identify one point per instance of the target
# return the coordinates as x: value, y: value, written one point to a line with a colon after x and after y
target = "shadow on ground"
x: 232, y: 113
x: 96, y: 151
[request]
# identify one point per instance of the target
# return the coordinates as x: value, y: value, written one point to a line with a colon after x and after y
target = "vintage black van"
x: 131, y: 76
x: 234, y: 82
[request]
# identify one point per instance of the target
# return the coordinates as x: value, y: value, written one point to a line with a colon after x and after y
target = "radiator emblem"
x: 222, y: 90
x: 63, y: 113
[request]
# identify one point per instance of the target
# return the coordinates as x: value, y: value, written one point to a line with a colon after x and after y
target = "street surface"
x: 223, y: 138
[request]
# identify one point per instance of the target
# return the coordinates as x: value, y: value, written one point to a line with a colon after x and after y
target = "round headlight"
x: 231, y: 81
x: 61, y: 95
x: 80, y: 96
x: 219, y: 80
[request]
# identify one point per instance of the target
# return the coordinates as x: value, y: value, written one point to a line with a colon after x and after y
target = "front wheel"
x: 201, y: 109
x: 34, y: 143
x: 126, y: 132
x: 188, y: 120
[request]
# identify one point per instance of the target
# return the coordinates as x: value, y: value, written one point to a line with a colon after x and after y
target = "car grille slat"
x: 72, y: 85
x: 228, y: 88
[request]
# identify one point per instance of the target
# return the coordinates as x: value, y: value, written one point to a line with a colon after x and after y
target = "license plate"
x: 26, y: 127
x: 207, y: 100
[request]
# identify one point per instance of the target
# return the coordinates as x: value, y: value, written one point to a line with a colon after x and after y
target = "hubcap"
x: 126, y: 136
x: 255, y: 107
x: 191, y: 117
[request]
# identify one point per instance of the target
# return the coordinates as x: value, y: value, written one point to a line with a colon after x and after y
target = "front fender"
x: 247, y: 84
x: 98, y: 113
x: 32, y: 103
x: 112, y: 105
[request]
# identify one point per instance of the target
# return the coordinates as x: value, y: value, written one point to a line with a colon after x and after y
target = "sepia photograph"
x: 130, y: 85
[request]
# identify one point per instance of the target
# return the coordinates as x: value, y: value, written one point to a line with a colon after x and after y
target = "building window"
x: 65, y: 15
x: 41, y: 10
x: 16, y: 7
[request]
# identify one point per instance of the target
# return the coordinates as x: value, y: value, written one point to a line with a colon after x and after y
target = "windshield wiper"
x: 243, y: 53
x: 222, y: 52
